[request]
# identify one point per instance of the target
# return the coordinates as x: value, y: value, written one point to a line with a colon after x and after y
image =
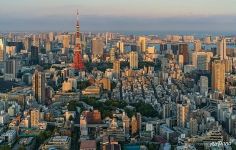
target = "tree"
x: 21, y: 147
x: 43, y: 136
x: 72, y: 106
x: 71, y: 118
x: 82, y: 84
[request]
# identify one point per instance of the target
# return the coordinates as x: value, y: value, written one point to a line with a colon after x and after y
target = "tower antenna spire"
x: 77, y: 19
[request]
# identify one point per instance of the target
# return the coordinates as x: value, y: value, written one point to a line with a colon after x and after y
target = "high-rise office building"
x: 35, y: 117
x: 202, y: 61
x: 139, y: 121
x: 218, y: 76
x: 83, y: 126
x: 34, y: 60
x: 193, y: 125
x: 36, y: 41
x: 51, y: 36
x: 228, y: 65
x: 126, y: 123
x: 112, y: 54
x: 221, y: 49
x: 197, y: 46
x: 182, y: 115
x: 66, y: 41
x: 163, y: 47
x: 11, y: 69
x: 120, y: 47
x: 97, y: 47
x: 133, y: 60
x: 134, y: 125
x: 27, y: 43
x: 38, y: 85
x: 207, y: 40
x: 183, y: 50
x: 116, y: 68
x: 11, y: 37
x: 203, y: 83
x: 2, y: 49
x: 174, y: 48
x: 10, y: 51
x: 142, y: 44
x: 48, y: 46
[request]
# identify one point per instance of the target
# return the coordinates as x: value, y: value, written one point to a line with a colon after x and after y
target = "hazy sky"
x: 118, y: 15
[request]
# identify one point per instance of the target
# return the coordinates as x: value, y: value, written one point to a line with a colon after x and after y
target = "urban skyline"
x: 109, y: 80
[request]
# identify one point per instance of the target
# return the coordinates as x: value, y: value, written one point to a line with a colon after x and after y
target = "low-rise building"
x: 9, y: 137
x: 57, y: 142
x: 88, y: 145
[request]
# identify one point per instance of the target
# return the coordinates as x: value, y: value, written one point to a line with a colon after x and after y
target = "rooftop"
x: 88, y: 144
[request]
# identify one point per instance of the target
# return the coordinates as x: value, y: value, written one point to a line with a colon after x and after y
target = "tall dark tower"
x: 78, y: 63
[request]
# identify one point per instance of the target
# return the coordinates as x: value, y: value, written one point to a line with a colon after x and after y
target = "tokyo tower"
x: 78, y: 63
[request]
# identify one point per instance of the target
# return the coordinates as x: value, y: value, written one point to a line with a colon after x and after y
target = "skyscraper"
x: 197, y: 46
x: 27, y: 43
x: 142, y: 43
x: 83, y: 127
x: 116, y: 68
x: 218, y: 76
x: 203, y: 83
x: 36, y: 41
x: 34, y: 60
x: 78, y: 63
x: 51, y: 36
x: 48, y: 46
x: 202, y: 61
x: 11, y: 69
x: 2, y: 49
x: 35, y: 117
x: 193, y: 125
x: 183, y: 50
x: 97, y: 47
x: 38, y: 85
x: 120, y: 46
x: 66, y: 41
x: 133, y: 60
x: 112, y: 54
x: 182, y: 115
x: 134, y: 125
x: 221, y: 49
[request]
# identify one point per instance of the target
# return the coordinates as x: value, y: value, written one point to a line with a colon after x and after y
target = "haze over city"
x: 117, y: 75
x: 119, y: 15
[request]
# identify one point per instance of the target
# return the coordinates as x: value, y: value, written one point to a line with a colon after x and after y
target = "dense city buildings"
x: 115, y: 90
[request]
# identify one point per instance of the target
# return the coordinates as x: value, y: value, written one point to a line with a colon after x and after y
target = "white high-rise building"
x: 221, y: 49
x: 182, y: 115
x: 34, y: 117
x: 142, y: 43
x: 2, y: 49
x: 203, y: 83
x: 197, y: 46
x: 133, y: 60
x: 83, y: 126
x: 120, y: 46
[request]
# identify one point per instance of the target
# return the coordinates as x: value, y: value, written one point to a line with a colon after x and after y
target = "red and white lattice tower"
x: 78, y: 63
